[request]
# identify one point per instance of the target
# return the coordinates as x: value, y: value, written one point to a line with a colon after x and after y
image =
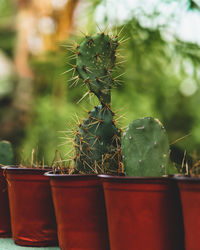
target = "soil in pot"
x: 5, y: 227
x: 80, y: 212
x: 143, y: 213
x: 32, y: 214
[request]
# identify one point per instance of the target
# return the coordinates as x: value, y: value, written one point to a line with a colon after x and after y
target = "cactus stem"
x: 99, y: 125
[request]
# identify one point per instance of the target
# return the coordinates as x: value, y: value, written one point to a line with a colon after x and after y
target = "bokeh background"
x: 160, y: 70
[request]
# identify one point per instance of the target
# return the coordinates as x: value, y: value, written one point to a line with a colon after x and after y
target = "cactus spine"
x: 145, y: 148
x: 97, y: 141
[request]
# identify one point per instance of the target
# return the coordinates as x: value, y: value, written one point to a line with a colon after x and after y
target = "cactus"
x: 97, y: 142
x: 145, y: 148
x: 6, y: 153
x: 95, y: 61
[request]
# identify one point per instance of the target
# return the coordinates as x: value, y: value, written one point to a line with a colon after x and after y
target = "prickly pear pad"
x: 95, y: 60
x: 145, y: 148
x: 97, y: 143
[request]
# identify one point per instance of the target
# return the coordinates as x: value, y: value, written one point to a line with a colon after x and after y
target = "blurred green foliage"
x: 154, y: 71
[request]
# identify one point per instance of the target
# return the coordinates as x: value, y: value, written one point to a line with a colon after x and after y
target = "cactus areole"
x: 97, y: 141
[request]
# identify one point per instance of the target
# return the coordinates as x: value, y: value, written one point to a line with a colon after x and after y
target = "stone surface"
x: 8, y: 244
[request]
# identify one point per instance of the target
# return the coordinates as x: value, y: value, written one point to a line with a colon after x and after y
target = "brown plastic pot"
x: 31, y: 207
x: 190, y: 197
x: 80, y: 211
x: 143, y: 213
x: 5, y: 227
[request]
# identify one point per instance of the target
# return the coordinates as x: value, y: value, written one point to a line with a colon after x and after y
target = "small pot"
x: 5, y: 227
x: 80, y: 211
x: 31, y: 207
x: 190, y: 197
x: 143, y: 213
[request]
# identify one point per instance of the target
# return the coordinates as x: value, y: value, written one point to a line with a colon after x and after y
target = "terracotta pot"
x: 5, y: 227
x: 80, y: 211
x: 190, y: 198
x: 143, y: 213
x: 31, y: 207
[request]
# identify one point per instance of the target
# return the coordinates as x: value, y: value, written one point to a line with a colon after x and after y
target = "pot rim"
x: 134, y: 178
x: 26, y: 170
x: 51, y: 174
x: 187, y: 179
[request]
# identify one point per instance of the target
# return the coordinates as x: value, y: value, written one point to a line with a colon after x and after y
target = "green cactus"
x: 6, y: 153
x: 97, y: 141
x: 145, y: 148
x: 96, y: 59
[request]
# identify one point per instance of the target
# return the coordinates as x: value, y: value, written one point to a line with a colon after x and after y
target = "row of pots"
x: 142, y: 213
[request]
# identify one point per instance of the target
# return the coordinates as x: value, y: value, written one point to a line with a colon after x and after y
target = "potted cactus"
x: 6, y: 158
x: 78, y: 197
x: 143, y: 207
x: 31, y: 207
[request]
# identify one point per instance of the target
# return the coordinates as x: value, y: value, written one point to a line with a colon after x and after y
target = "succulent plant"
x: 95, y: 62
x: 6, y: 153
x: 145, y: 148
x: 97, y: 142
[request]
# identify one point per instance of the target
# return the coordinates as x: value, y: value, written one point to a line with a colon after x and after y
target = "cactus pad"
x: 95, y: 60
x: 97, y: 143
x: 6, y: 153
x: 145, y: 148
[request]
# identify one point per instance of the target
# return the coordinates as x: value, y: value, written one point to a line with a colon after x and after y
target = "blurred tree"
x: 40, y: 26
